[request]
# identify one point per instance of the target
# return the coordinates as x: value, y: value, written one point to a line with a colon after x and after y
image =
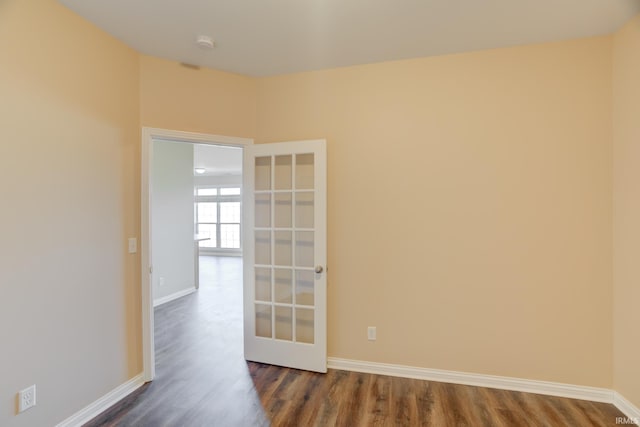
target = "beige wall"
x: 178, y: 97
x: 626, y: 208
x: 469, y: 207
x: 469, y: 203
x: 69, y: 186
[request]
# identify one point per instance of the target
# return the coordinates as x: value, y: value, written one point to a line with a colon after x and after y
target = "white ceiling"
x: 269, y: 37
x: 217, y: 160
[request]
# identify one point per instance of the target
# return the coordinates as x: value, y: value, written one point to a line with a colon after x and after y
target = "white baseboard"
x: 96, y: 408
x: 627, y: 408
x: 479, y: 380
x: 175, y: 295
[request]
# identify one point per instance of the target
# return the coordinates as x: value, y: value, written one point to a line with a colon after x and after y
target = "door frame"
x: 148, y: 135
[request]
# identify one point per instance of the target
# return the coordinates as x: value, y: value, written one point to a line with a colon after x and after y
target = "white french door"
x: 285, y: 252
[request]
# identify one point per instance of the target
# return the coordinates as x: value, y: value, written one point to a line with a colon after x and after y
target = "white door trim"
x: 148, y: 135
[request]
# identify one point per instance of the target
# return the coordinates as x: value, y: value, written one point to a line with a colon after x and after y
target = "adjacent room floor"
x: 202, y: 379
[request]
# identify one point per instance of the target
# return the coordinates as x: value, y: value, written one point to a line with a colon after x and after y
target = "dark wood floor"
x: 203, y: 380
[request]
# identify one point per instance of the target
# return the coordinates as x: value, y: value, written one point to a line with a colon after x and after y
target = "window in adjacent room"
x: 218, y: 213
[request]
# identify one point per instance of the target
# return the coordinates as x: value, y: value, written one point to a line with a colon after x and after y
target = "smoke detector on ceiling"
x: 205, y: 42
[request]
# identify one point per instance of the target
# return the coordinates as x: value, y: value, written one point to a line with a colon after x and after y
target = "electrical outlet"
x: 27, y: 398
x: 161, y: 281
x: 371, y: 333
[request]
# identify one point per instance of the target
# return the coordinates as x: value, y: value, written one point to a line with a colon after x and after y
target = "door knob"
x: 319, y: 269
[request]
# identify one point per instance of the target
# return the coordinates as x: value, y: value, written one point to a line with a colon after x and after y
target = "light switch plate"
x: 133, y: 245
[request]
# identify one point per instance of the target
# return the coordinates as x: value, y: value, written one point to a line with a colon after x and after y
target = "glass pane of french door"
x: 284, y: 246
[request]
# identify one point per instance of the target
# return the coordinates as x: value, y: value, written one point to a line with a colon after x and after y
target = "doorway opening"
x: 191, y: 223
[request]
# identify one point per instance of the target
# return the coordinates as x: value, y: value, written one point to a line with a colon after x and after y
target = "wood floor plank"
x: 591, y: 412
x: 203, y: 380
x: 424, y: 402
x: 479, y: 412
x: 377, y: 401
